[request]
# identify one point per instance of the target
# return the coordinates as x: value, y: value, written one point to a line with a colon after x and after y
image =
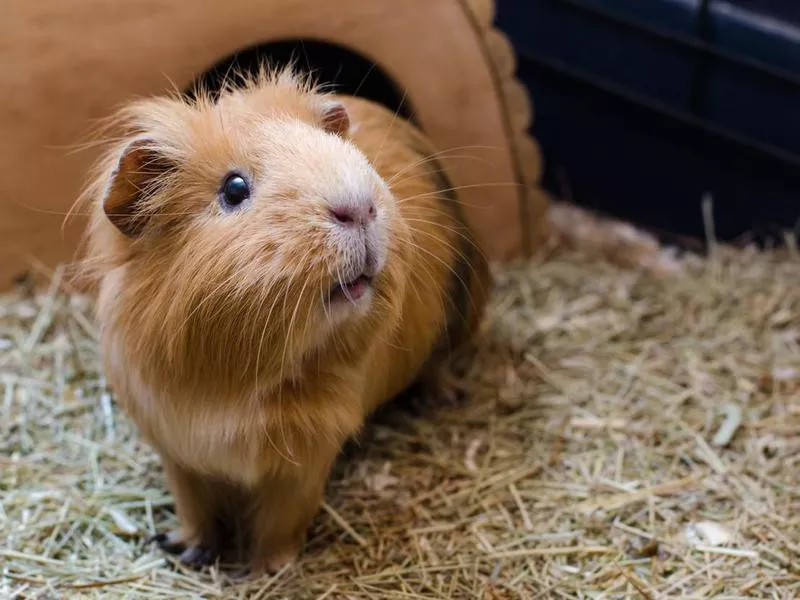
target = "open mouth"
x: 351, y: 290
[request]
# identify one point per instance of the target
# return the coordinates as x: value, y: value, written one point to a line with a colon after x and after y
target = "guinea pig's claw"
x: 197, y: 556
x: 167, y: 543
x: 191, y: 555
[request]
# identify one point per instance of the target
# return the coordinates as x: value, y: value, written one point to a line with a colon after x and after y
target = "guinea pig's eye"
x: 235, y: 190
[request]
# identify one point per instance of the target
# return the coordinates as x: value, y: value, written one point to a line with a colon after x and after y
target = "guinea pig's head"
x: 245, y: 235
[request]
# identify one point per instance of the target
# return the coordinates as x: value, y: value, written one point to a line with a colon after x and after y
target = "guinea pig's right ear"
x: 137, y: 173
x: 335, y: 118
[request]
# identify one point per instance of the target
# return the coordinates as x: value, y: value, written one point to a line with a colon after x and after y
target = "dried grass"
x: 627, y: 437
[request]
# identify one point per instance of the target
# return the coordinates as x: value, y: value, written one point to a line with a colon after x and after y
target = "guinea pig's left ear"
x: 135, y: 177
x: 335, y: 118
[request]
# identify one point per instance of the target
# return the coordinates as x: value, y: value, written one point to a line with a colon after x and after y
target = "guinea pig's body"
x: 272, y: 266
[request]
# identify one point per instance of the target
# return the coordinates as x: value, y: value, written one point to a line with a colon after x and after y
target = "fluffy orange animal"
x: 272, y: 265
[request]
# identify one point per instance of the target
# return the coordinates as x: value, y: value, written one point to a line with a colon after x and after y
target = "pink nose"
x: 353, y: 213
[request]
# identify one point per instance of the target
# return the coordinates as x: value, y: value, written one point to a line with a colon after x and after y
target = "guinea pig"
x: 272, y: 264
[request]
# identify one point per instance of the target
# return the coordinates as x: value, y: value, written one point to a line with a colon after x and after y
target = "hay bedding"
x: 628, y: 437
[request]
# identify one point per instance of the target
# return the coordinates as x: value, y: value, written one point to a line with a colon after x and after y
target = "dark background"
x: 645, y: 106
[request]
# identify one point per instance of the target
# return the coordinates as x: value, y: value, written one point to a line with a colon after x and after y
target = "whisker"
x: 448, y: 267
x: 364, y: 79
x: 391, y: 126
x: 289, y: 340
x: 89, y: 213
x: 290, y: 459
x: 432, y: 156
x: 456, y: 251
x: 334, y: 333
x: 208, y: 297
x: 433, y: 159
x: 267, y: 320
x: 417, y: 272
x: 459, y: 232
x: 395, y: 183
x: 463, y: 187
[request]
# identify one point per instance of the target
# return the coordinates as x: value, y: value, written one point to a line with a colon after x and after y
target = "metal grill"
x: 644, y: 106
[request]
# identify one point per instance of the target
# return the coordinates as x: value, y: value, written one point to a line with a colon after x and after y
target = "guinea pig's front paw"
x: 198, y: 556
x: 195, y: 555
x: 169, y: 542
